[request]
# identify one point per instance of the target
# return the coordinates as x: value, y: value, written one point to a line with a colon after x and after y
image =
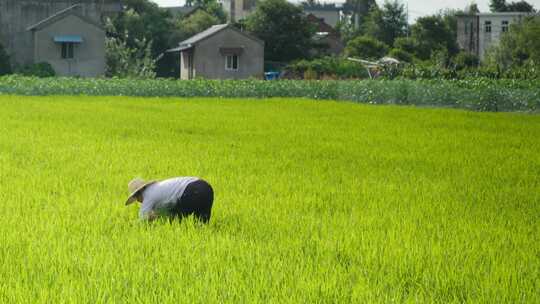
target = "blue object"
x: 271, y: 75
x: 68, y: 38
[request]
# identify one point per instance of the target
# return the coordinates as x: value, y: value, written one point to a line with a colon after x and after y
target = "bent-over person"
x: 173, y: 197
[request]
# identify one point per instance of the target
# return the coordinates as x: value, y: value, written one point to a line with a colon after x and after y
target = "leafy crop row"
x: 477, y: 94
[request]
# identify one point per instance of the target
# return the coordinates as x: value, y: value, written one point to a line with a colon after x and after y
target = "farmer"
x: 174, y: 197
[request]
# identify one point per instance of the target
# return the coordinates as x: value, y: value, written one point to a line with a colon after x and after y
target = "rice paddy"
x: 316, y: 202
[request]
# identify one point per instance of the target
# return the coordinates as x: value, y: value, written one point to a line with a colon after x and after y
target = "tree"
x: 521, y: 45
x: 144, y: 20
x: 213, y: 8
x: 5, y: 66
x: 360, y: 10
x: 498, y: 5
x: 434, y: 33
x: 196, y: 23
x: 472, y: 9
x: 284, y: 28
x: 366, y: 47
x: 407, y: 44
x: 465, y: 60
x: 401, y: 55
x: 125, y: 61
x: 520, y: 6
x: 387, y: 23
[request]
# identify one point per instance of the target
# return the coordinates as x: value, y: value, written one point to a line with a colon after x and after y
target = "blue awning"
x: 68, y: 38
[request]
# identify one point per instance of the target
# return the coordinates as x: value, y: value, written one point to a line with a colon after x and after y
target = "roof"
x: 180, y: 48
x: 72, y: 10
x: 205, y: 34
x: 322, y: 7
x: 504, y: 14
x: 496, y: 14
x: 192, y: 41
x: 183, y: 10
x: 321, y: 25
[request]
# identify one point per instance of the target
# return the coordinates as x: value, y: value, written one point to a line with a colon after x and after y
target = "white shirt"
x: 161, y: 197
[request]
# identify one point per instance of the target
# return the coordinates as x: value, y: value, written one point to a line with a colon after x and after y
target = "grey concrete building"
x: 221, y: 52
x: 330, y: 13
x: 238, y: 9
x: 65, y: 33
x: 477, y: 33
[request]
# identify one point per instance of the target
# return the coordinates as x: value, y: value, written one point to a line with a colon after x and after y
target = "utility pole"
x: 408, y: 28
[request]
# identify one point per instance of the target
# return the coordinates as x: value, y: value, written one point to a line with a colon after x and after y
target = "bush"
x: 465, y: 60
x: 405, y: 43
x: 41, y: 69
x: 5, y: 66
x: 327, y: 67
x: 366, y: 48
x: 401, y: 55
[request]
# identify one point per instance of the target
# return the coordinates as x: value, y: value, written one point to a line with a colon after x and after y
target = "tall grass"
x: 476, y: 94
x: 316, y: 202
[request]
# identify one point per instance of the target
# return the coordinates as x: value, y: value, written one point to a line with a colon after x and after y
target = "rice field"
x: 316, y: 202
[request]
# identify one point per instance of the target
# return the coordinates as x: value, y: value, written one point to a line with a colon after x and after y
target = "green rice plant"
x: 316, y: 201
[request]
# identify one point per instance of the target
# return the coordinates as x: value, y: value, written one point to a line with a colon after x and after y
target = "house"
x: 221, y: 52
x: 326, y: 37
x: 69, y: 37
x: 476, y: 33
x: 330, y: 13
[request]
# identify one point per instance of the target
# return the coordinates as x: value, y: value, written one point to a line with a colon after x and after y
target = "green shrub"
x: 327, y: 67
x: 465, y: 60
x: 401, y: 55
x: 405, y: 43
x: 41, y: 69
x: 366, y: 48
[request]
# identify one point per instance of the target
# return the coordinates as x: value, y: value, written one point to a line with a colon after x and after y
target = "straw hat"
x: 135, y: 186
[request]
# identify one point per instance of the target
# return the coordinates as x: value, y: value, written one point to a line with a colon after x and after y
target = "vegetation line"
x: 478, y: 94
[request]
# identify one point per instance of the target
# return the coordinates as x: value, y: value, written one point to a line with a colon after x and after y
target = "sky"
x: 417, y: 8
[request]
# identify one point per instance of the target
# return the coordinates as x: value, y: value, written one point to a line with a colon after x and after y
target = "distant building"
x: 476, y: 33
x: 221, y: 52
x: 238, y: 9
x: 330, y: 13
x: 69, y: 36
x: 327, y: 39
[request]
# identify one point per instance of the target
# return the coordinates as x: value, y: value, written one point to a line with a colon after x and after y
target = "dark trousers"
x: 197, y: 200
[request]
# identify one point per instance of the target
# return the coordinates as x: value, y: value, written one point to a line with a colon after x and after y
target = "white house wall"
x: 486, y: 40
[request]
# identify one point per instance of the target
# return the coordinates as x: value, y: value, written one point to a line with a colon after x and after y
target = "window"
x: 504, y: 26
x: 466, y: 28
x: 67, y: 50
x: 231, y: 63
x: 488, y: 26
